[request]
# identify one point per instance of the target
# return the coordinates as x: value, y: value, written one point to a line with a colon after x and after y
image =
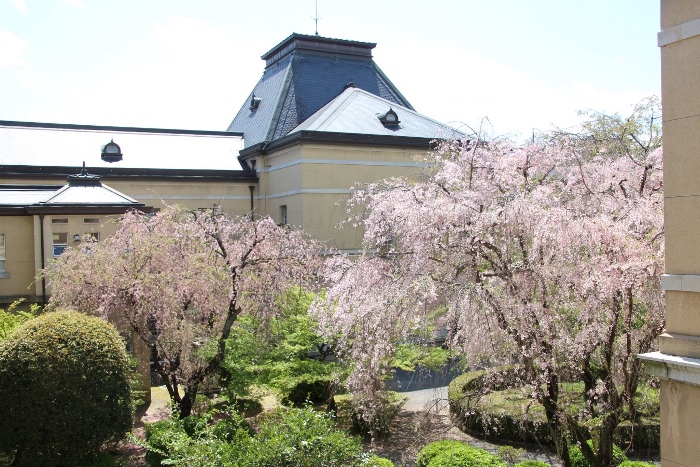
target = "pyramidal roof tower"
x: 302, y: 74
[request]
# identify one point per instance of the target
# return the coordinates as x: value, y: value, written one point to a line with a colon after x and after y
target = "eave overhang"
x: 117, y: 173
x: 337, y: 138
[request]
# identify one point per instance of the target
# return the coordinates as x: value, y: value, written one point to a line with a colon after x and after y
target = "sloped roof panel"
x: 257, y: 125
x: 98, y: 194
x: 318, y: 79
x: 356, y: 111
x: 10, y: 197
x: 54, y: 146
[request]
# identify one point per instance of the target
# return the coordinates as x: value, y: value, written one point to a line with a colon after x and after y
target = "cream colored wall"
x: 19, y: 253
x: 233, y: 197
x: 313, y: 181
x: 23, y: 245
x: 680, y: 68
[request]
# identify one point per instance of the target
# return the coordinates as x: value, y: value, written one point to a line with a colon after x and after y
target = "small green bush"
x: 64, y: 387
x: 302, y: 438
x: 376, y: 461
x: 577, y: 459
x: 305, y: 392
x: 636, y: 464
x: 466, y: 457
x: 434, y: 449
x: 531, y: 463
x: 510, y: 454
x: 389, y: 405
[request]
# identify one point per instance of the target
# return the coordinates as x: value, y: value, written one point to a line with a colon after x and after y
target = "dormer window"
x: 389, y: 118
x: 255, y: 102
x: 111, y: 152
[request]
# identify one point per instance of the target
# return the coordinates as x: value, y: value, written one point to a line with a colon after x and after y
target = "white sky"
x: 523, y: 64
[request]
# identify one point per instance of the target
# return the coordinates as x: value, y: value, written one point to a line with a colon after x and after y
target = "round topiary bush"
x: 64, y: 389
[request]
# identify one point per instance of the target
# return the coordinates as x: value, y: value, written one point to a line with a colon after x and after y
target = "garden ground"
x: 424, y: 418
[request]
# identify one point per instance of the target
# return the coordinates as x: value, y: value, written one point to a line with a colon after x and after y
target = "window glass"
x: 91, y: 220
x: 60, y: 243
x: 283, y: 215
x: 62, y: 220
x: 2, y: 252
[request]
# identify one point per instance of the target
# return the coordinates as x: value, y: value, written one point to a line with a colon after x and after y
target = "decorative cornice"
x: 679, y: 32
x: 681, y: 282
x: 318, y: 44
x: 672, y: 368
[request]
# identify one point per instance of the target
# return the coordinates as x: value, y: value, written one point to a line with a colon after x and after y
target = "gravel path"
x: 425, y: 418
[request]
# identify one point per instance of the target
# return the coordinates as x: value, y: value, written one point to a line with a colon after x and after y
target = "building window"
x: 283, y: 214
x: 60, y: 243
x: 62, y: 220
x: 91, y: 220
x: 2, y: 255
x: 92, y: 236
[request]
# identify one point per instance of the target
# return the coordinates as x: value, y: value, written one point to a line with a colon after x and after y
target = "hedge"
x: 64, y: 387
x: 450, y: 453
x: 465, y: 391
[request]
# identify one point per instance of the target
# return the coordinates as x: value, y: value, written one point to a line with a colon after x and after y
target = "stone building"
x: 322, y: 118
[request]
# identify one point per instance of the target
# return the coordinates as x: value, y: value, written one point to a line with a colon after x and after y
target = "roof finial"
x: 316, y: 18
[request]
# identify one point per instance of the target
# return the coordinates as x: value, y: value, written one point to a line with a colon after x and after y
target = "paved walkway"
x: 431, y: 404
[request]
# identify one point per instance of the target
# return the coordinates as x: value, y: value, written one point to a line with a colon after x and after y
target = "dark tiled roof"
x: 301, y: 78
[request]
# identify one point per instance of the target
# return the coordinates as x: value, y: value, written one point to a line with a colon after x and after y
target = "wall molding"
x: 340, y: 162
x: 320, y: 191
x: 681, y: 282
x: 671, y: 367
x: 678, y: 33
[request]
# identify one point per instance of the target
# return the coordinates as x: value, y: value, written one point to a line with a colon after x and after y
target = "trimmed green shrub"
x: 531, y: 463
x: 466, y: 457
x: 302, y: 438
x: 577, y: 459
x: 637, y: 464
x: 376, y: 461
x: 434, y: 449
x: 64, y: 387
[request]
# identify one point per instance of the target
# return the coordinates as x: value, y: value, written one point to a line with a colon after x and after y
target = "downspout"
x: 252, y: 206
x: 43, y: 261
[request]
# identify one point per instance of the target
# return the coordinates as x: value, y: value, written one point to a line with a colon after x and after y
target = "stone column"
x: 678, y: 361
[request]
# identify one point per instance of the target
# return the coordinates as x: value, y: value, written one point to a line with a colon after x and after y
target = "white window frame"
x: 59, y: 244
x: 3, y: 258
